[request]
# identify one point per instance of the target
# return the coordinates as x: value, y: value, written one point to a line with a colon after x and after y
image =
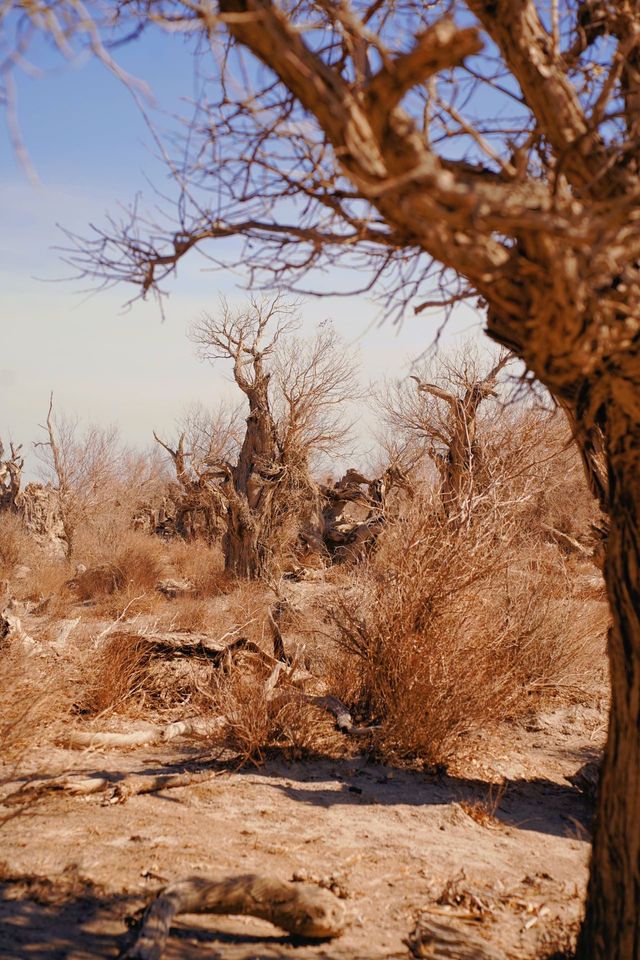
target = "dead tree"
x: 198, y: 507
x: 10, y: 477
x: 510, y: 175
x: 91, y: 478
x: 453, y: 442
x: 350, y: 538
x: 294, y: 393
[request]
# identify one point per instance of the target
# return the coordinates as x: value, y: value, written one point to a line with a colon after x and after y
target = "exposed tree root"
x: 300, y: 909
x: 207, y: 727
x: 136, y: 785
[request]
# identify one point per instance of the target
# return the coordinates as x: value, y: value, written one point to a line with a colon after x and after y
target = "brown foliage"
x: 35, y: 702
x: 256, y: 722
x: 202, y: 565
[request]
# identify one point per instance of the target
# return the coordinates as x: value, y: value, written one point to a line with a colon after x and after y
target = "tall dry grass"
x: 36, y: 702
x: 116, y: 674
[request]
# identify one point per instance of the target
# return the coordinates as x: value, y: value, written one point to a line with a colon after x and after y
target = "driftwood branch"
x: 114, y: 790
x: 301, y: 909
x: 198, y: 727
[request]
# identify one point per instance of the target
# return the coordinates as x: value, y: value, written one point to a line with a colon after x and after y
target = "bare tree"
x: 89, y: 472
x: 495, y: 157
x: 294, y: 392
x: 351, y: 538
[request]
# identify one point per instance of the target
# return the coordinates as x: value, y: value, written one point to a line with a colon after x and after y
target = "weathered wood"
x: 301, y: 909
x: 117, y: 789
x: 344, y: 720
x: 198, y: 727
x: 439, y: 941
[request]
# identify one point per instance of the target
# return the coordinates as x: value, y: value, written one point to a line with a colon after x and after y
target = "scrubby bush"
x: 449, y: 629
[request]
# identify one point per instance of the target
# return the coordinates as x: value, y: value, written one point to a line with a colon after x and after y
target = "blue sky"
x: 92, y: 150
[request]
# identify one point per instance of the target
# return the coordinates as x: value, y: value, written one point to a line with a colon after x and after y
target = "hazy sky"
x: 91, y: 149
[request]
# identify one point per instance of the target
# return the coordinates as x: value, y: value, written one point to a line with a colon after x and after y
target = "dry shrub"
x: 484, y: 812
x: 449, y: 630
x: 117, y: 673
x: 46, y: 585
x: 554, y: 642
x: 15, y: 543
x: 135, y: 562
x: 258, y: 721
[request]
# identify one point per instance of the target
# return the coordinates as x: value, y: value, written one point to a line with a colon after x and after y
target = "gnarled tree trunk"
x: 246, y: 551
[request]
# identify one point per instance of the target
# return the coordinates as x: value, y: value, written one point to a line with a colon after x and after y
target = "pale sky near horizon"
x: 91, y: 150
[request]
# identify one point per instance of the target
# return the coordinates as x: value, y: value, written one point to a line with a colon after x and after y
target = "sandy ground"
x: 393, y: 842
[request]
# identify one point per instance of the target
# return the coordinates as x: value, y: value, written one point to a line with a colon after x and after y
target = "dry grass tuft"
x: 202, y: 565
x: 259, y: 721
x: 35, y: 703
x: 484, y: 812
x: 189, y: 615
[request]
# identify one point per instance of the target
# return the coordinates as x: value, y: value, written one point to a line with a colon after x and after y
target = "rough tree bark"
x: 611, y: 926
x: 347, y: 538
x: 246, y: 550
x: 564, y: 296
x: 257, y: 488
x: 199, y: 506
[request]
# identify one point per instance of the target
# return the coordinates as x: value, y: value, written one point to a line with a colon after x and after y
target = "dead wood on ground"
x: 301, y: 909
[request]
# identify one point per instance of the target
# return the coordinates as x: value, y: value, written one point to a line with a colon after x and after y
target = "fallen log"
x: 203, y: 728
x: 115, y: 790
x: 301, y: 909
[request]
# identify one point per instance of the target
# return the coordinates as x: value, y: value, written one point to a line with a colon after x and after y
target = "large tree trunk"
x: 243, y: 555
x: 246, y: 550
x: 611, y: 929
